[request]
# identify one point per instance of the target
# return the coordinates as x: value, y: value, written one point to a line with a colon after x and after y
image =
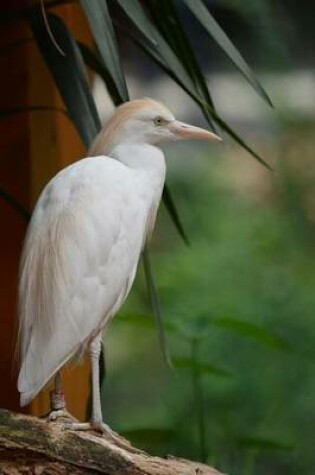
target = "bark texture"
x: 29, y: 445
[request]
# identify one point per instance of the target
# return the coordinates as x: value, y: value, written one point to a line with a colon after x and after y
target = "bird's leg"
x: 57, y: 402
x: 95, y: 353
x: 96, y: 421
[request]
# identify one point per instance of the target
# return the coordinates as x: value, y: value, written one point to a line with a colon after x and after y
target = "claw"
x: 104, y: 430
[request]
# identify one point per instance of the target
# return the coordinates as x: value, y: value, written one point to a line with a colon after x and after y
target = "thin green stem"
x: 250, y: 462
x: 199, y: 400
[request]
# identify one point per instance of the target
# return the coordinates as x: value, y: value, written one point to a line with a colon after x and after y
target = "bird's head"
x: 145, y: 121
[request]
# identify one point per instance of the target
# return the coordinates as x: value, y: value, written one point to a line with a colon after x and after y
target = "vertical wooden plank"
x: 14, y: 178
x: 55, y: 144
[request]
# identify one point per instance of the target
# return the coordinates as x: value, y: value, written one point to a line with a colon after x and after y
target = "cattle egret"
x: 83, y: 245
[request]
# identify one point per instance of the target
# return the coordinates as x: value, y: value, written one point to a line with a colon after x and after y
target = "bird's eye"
x: 159, y: 121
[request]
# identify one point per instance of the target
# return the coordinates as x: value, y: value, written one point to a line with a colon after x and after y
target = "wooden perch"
x: 30, y: 445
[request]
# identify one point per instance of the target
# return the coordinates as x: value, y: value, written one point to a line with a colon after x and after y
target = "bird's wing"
x: 78, y: 264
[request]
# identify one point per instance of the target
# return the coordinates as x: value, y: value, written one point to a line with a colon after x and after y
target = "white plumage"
x: 84, y: 241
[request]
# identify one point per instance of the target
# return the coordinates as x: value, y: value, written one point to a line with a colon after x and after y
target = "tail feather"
x: 33, y: 378
x: 26, y: 398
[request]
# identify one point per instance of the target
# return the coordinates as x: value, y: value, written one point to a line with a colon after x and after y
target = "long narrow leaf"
x: 204, y: 368
x: 171, y: 208
x: 170, y: 25
x: 155, y: 306
x: 203, y: 15
x: 163, y: 53
x: 264, y: 443
x: 93, y: 61
x: 252, y: 330
x: 104, y: 36
x: 190, y: 90
x: 133, y: 9
x: 11, y: 201
x: 240, y: 141
x: 69, y: 74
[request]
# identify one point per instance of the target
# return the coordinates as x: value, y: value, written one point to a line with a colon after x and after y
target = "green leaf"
x: 170, y: 25
x: 103, y: 33
x: 162, y: 53
x: 94, y: 62
x: 215, y: 31
x: 171, y: 208
x: 155, y: 306
x: 264, y: 443
x: 204, y: 368
x: 240, y: 141
x: 11, y: 201
x: 133, y: 9
x: 69, y: 73
x: 254, y: 331
x: 173, y: 72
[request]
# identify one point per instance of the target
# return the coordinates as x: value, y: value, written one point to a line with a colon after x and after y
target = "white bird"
x: 83, y: 245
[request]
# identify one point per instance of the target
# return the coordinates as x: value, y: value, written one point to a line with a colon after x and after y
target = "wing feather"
x: 78, y: 264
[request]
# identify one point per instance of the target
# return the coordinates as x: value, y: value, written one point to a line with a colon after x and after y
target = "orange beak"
x: 190, y: 132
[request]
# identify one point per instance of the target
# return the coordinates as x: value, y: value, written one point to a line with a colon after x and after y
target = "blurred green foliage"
x: 238, y: 303
x: 239, y: 310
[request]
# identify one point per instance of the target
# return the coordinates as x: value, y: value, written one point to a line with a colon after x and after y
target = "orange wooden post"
x: 14, y: 178
x: 35, y: 146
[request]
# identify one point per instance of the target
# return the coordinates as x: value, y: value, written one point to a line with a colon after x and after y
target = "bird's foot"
x: 105, y: 431
x: 96, y: 426
x: 60, y: 414
x: 59, y: 410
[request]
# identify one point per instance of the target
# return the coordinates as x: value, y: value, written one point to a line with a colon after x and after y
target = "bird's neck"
x: 140, y: 156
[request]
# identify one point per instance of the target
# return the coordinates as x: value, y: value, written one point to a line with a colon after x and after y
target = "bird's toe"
x: 60, y: 415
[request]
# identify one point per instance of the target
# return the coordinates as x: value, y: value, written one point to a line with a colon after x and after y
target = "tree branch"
x: 30, y: 445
